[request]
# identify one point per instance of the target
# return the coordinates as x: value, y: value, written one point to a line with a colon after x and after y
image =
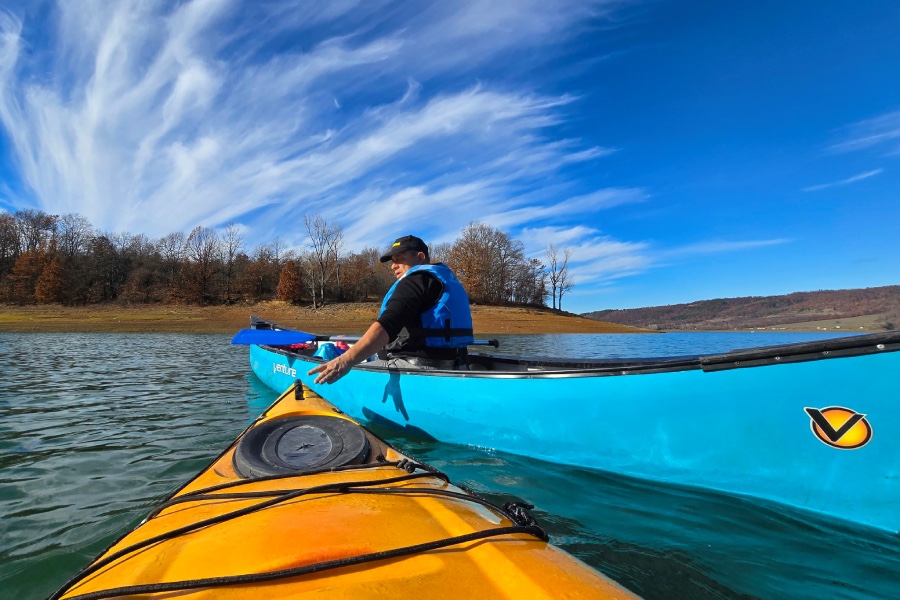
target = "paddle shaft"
x: 285, y: 337
x: 355, y: 338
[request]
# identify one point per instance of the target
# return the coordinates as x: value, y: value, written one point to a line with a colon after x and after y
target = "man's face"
x: 404, y: 261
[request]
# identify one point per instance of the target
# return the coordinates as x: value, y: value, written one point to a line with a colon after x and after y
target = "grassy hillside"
x: 868, y: 309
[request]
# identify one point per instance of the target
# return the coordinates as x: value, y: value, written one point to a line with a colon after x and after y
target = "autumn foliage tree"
x: 364, y: 276
x: 290, y: 283
x: 24, y: 276
x: 259, y: 273
x: 52, y: 286
x: 62, y: 259
x: 493, y: 268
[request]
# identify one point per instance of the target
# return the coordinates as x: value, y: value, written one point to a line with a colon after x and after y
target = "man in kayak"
x: 425, y: 319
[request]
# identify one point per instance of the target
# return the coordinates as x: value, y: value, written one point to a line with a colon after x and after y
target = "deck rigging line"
x: 515, y: 512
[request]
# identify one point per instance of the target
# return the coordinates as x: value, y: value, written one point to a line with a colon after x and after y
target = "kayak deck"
x: 387, y: 526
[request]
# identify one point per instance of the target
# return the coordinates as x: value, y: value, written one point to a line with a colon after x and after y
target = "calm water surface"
x: 96, y: 429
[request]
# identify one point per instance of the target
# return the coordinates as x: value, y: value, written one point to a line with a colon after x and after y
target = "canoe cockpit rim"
x: 499, y: 366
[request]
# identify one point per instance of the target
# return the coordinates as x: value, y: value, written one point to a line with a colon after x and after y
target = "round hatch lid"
x: 298, y: 445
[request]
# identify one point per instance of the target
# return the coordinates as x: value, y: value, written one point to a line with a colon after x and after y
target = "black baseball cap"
x: 402, y: 244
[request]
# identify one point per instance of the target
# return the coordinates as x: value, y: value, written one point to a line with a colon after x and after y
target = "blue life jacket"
x: 447, y: 324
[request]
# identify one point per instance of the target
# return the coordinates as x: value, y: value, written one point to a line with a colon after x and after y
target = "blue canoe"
x: 815, y: 425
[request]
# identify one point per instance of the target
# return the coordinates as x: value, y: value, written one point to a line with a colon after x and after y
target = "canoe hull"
x: 743, y: 430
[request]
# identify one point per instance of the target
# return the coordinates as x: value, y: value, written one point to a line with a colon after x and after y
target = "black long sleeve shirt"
x: 415, y: 293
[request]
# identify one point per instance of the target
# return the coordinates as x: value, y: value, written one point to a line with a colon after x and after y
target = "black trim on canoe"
x: 487, y: 365
x: 856, y: 345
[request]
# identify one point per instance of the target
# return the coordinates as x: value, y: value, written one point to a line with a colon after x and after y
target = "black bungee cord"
x: 515, y: 512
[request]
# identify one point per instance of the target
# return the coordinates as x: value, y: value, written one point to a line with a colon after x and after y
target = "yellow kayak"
x: 307, y: 503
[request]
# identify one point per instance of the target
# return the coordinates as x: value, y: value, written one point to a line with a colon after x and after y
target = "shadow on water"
x: 409, y: 431
x: 259, y: 395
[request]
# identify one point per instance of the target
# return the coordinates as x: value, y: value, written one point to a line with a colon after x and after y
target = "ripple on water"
x: 96, y: 429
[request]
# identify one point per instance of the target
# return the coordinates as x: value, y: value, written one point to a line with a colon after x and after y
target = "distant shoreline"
x: 859, y: 310
x: 350, y: 318
x: 778, y: 330
x: 858, y: 325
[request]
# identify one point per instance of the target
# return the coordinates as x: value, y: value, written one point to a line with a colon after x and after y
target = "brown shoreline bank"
x: 334, y: 318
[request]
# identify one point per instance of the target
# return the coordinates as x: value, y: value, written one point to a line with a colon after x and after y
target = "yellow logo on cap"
x: 395, y: 244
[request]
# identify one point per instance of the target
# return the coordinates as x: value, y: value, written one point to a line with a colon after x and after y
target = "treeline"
x: 63, y: 259
x: 764, y: 311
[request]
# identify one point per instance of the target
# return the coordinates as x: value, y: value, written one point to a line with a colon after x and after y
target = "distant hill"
x: 880, y: 304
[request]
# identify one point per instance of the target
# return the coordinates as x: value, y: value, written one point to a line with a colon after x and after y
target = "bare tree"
x: 566, y: 282
x: 74, y: 232
x: 530, y: 281
x: 10, y: 245
x: 259, y: 276
x: 171, y: 253
x: 201, y: 249
x: 552, y: 254
x: 558, y: 274
x: 326, y: 240
x: 231, y: 245
x: 277, y: 250
x: 309, y: 270
x: 439, y: 253
x: 509, y: 256
x: 36, y: 228
x: 140, y: 267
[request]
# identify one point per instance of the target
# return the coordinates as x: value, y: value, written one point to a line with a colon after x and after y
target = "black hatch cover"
x: 298, y: 445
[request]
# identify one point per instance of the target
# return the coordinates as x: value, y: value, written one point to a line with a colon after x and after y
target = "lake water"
x: 96, y: 429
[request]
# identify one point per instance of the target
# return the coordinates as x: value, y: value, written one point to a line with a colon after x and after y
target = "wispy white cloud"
x: 567, y: 209
x: 157, y: 117
x: 853, y: 179
x: 720, y: 246
x: 595, y: 258
x: 452, y: 34
x: 882, y: 131
x: 598, y: 259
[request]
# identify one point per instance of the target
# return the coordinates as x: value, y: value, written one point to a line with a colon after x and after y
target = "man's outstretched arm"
x: 373, y: 340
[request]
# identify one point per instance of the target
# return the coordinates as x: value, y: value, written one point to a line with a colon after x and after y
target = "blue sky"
x: 682, y: 149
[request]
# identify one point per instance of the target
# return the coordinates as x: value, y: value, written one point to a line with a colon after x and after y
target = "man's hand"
x: 373, y: 340
x: 332, y: 370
